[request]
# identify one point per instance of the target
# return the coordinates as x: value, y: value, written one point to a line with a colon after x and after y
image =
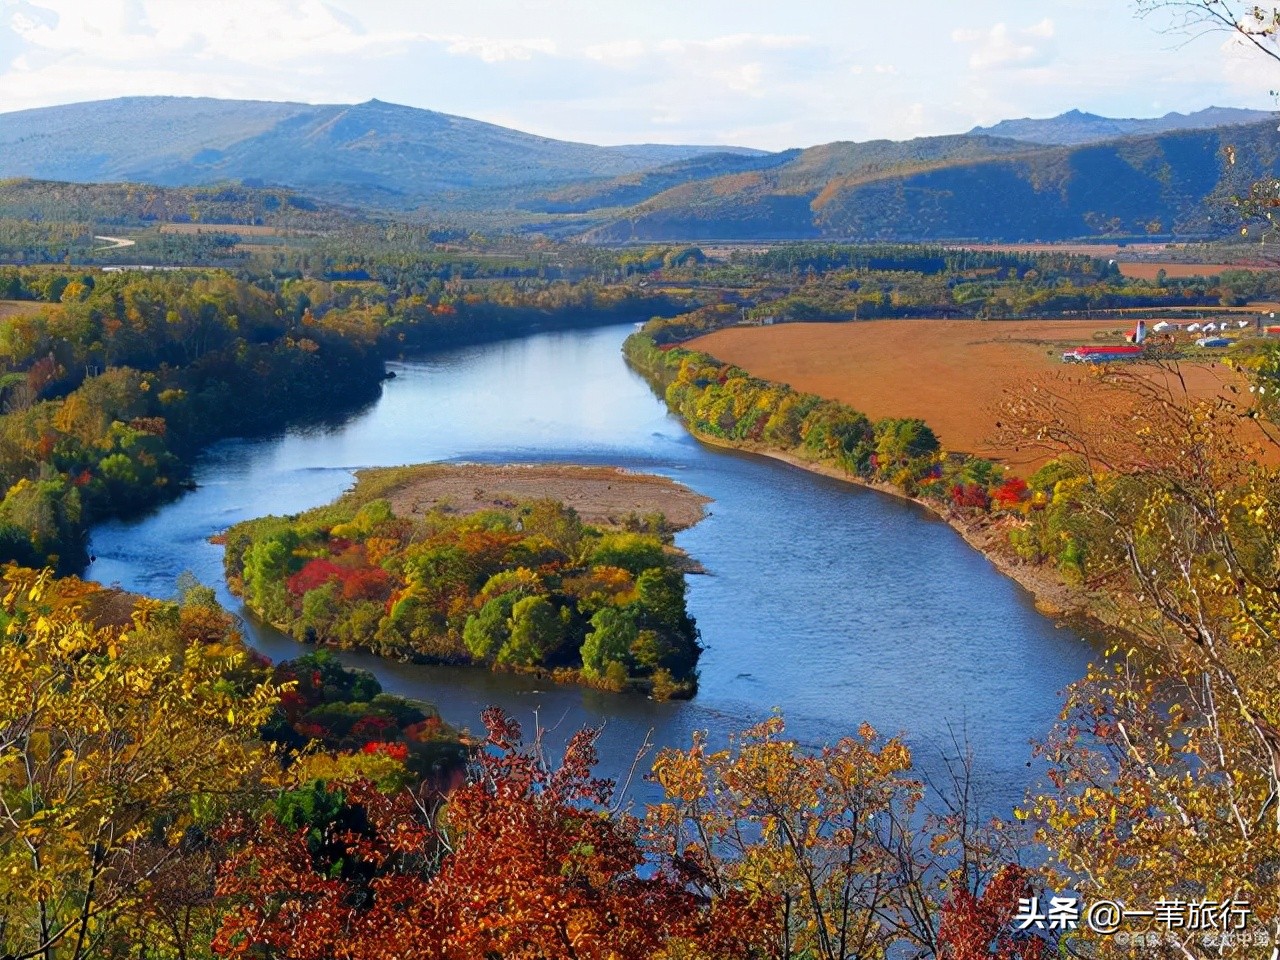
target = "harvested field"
x: 953, y: 374
x: 10, y: 308
x: 1147, y: 269
x: 602, y: 496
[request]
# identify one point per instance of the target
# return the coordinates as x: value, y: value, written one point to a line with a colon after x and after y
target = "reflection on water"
x: 832, y: 603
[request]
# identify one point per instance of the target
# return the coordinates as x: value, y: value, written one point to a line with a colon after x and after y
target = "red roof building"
x: 1116, y: 350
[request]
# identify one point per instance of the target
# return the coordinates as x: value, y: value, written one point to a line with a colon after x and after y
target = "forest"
x: 530, y: 588
x: 240, y: 810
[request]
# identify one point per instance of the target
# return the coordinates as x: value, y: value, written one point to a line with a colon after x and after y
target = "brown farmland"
x: 953, y: 374
x: 1148, y: 269
x: 11, y: 308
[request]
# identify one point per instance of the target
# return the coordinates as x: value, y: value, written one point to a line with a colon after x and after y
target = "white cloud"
x: 120, y: 31
x: 616, y: 51
x: 1000, y: 46
x: 744, y: 78
x: 736, y: 43
x: 1044, y: 29
x: 494, y: 50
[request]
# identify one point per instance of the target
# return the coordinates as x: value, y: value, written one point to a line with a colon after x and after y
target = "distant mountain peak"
x: 375, y: 148
x: 1077, y: 127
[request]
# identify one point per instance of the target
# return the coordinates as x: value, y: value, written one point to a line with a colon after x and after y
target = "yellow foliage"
x: 106, y: 754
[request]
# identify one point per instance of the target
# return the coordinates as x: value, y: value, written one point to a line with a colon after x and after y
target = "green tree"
x: 612, y: 635
x: 633, y: 552
x: 487, y: 632
x: 899, y: 441
x: 534, y: 631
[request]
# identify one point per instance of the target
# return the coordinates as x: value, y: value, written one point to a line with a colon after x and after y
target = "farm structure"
x: 1103, y: 354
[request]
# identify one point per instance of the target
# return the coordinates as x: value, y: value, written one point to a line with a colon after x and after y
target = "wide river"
x: 831, y: 603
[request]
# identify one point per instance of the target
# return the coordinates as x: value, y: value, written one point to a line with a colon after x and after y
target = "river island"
x: 558, y: 570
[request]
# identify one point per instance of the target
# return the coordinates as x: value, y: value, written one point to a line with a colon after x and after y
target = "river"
x: 832, y: 603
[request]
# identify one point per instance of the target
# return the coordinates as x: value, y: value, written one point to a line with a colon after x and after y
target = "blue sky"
x: 764, y: 74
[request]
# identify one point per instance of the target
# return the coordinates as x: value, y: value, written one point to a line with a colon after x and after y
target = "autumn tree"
x: 1257, y: 25
x: 524, y: 861
x: 839, y: 842
x: 114, y: 765
x: 1165, y: 769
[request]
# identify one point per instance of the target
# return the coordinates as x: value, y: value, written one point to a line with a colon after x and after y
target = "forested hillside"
x: 1171, y: 184
x: 1114, y: 178
x: 379, y: 154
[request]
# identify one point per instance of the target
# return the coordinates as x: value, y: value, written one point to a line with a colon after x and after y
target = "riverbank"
x: 722, y: 405
x: 986, y: 534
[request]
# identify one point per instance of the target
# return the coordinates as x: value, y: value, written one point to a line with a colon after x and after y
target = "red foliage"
x: 354, y: 582
x: 970, y: 495
x: 368, y: 583
x: 1010, y: 493
x: 372, y: 727
x: 982, y: 927
x: 534, y: 868
x: 153, y: 425
x: 396, y: 751
x: 316, y: 573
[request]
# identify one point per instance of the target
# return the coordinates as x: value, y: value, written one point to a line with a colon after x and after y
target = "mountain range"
x: 1072, y: 176
x: 1076, y: 127
x: 373, y: 153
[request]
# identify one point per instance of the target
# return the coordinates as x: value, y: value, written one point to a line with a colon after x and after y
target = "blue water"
x: 834, y: 604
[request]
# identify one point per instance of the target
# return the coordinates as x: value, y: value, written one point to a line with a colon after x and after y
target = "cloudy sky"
x: 762, y: 73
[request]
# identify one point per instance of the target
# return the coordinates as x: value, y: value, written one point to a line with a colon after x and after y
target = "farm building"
x: 1103, y: 354
x: 1138, y: 333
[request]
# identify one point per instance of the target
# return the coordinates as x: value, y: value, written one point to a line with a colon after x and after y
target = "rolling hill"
x: 976, y: 188
x: 1074, y: 176
x: 145, y: 205
x: 375, y: 154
